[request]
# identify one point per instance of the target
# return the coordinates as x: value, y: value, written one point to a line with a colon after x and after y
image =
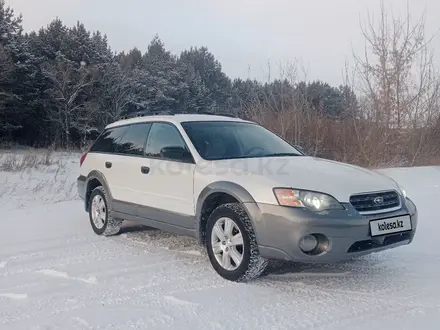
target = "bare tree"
x: 398, y: 81
x: 68, y: 82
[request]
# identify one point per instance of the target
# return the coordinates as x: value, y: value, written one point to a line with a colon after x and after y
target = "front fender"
x: 232, y: 189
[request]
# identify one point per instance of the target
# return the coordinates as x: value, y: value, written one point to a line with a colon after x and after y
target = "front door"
x: 168, y: 188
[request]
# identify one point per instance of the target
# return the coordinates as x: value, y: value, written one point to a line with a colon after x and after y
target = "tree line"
x: 61, y: 85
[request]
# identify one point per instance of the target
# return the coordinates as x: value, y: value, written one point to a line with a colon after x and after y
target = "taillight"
x: 83, y: 158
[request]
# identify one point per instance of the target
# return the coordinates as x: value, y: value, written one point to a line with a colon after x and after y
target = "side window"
x: 133, y: 141
x: 108, y: 141
x: 165, y: 142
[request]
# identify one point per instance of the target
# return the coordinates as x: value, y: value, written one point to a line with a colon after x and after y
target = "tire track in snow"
x: 180, y: 302
x: 14, y: 296
x: 55, y: 273
x: 83, y: 323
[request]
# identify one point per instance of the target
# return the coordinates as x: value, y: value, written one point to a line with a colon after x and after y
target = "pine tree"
x: 17, y: 72
x: 118, y: 90
x: 162, y: 83
x: 210, y: 70
x: 196, y: 97
x: 61, y: 84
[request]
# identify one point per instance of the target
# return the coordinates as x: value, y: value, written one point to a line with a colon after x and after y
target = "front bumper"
x: 279, y: 230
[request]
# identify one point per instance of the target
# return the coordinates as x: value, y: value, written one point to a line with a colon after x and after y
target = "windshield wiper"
x: 282, y: 154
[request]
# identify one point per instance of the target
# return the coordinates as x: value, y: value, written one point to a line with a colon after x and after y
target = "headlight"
x: 302, y: 198
x: 403, y: 191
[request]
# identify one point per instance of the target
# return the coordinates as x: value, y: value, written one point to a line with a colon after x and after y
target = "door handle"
x: 145, y: 169
x: 108, y: 164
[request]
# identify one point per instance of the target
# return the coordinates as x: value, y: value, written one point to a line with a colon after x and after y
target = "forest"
x: 60, y: 86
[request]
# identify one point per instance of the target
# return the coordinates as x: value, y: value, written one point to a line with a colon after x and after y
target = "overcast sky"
x: 242, y: 34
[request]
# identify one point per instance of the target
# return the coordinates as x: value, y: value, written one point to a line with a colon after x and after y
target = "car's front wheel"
x: 231, y: 244
x: 101, y: 219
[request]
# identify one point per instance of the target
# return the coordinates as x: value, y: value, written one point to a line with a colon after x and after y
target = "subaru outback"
x: 243, y: 192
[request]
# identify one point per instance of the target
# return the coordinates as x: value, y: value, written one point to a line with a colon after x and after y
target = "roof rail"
x: 148, y: 113
x: 218, y: 114
x: 172, y: 113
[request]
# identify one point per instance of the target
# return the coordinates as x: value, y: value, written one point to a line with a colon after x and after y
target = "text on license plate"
x: 390, y: 225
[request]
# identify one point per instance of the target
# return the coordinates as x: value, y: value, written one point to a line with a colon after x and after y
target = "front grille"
x: 379, y: 202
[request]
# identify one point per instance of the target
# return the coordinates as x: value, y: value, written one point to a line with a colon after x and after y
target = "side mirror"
x: 174, y: 152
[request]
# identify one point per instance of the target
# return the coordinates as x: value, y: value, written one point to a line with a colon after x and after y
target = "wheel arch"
x: 218, y: 193
x: 95, y: 179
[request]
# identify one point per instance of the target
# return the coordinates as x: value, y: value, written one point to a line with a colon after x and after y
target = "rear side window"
x: 108, y: 141
x: 134, y: 139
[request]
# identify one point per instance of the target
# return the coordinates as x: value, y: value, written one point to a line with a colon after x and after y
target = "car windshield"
x: 215, y: 140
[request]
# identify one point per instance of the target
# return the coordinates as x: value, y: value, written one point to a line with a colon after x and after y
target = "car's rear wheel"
x: 231, y: 244
x: 101, y: 219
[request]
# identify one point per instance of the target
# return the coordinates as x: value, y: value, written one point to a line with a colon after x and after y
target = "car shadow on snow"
x: 361, y: 266
x: 158, y: 239
x: 128, y: 227
x: 350, y: 267
x: 368, y: 275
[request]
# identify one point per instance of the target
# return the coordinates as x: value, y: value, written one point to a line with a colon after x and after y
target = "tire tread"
x: 113, y: 226
x: 257, y: 264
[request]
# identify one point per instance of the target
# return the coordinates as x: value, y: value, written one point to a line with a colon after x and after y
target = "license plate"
x: 390, y: 225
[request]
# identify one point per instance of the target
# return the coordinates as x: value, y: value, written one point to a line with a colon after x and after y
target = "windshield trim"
x: 300, y: 153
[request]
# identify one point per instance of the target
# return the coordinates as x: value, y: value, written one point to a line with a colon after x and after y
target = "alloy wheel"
x: 227, y: 243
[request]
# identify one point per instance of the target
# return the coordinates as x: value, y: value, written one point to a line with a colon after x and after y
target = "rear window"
x: 108, y: 141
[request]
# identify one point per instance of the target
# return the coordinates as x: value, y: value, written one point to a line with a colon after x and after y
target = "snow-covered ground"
x: 55, y: 273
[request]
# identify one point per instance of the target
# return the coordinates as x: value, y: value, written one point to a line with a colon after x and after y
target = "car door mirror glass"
x: 173, y: 152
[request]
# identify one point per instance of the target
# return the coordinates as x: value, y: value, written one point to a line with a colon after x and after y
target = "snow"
x: 55, y: 273
x: 14, y: 296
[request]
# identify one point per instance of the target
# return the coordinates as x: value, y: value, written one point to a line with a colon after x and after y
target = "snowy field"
x: 55, y: 273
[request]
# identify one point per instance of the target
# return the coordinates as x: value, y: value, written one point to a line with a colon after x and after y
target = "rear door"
x: 167, y: 189
x: 104, y: 158
x: 132, y: 164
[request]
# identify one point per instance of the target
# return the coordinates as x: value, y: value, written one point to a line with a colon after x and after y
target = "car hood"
x: 309, y: 173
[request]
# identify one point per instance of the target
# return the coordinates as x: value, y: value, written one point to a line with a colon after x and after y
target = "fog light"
x: 308, y: 243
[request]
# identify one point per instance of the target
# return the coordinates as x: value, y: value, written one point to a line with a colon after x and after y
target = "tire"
x: 108, y: 226
x: 252, y: 264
